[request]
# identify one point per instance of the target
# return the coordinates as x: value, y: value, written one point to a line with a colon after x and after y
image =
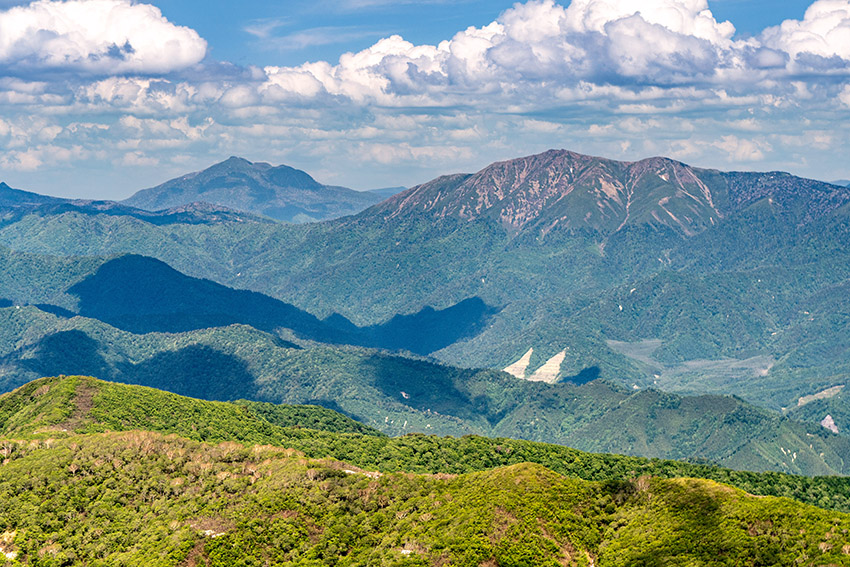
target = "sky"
x: 101, y: 98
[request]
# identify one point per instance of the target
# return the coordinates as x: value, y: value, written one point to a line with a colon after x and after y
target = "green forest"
x: 98, y: 473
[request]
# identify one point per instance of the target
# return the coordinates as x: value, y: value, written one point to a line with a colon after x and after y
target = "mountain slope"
x: 561, y: 190
x: 398, y: 394
x: 226, y: 505
x: 70, y: 405
x: 281, y: 192
x: 168, y: 500
x: 761, y: 250
x: 141, y: 294
x: 10, y: 198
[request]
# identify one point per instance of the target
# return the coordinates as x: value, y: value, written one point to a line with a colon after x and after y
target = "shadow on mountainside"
x: 67, y: 352
x: 141, y: 295
x: 196, y: 371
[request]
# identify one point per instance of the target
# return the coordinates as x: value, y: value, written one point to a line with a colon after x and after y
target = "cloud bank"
x: 606, y: 76
x: 95, y: 36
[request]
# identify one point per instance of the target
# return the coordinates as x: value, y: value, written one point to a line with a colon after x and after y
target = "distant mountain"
x: 16, y: 204
x: 15, y: 198
x: 387, y: 192
x: 192, y: 213
x: 841, y: 182
x: 650, y: 274
x: 281, y: 192
x: 141, y: 295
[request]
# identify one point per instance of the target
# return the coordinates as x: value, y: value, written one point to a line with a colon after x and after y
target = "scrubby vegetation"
x: 57, y: 407
x: 145, y: 498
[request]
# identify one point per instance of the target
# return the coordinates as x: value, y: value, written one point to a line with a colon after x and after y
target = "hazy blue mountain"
x: 387, y: 192
x: 141, y: 295
x: 281, y: 192
x: 12, y: 198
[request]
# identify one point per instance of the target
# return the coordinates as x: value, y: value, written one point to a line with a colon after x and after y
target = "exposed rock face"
x: 547, y: 373
x: 519, y: 367
x: 829, y: 423
x: 563, y: 189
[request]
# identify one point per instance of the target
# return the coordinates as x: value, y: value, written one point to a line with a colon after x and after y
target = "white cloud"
x: 743, y: 150
x: 138, y: 159
x: 683, y: 17
x: 618, y: 78
x: 824, y: 31
x: 95, y: 36
x: 844, y: 96
x: 265, y: 28
x: 537, y: 46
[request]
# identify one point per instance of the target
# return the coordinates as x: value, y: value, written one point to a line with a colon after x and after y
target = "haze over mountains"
x: 591, y: 273
x: 282, y: 192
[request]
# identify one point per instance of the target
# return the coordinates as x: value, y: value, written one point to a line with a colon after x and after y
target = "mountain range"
x: 581, y: 276
x: 136, y: 320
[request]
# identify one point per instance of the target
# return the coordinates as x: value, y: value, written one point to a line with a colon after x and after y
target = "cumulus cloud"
x: 539, y: 43
x: 540, y: 46
x: 95, y: 36
x: 824, y: 31
x: 684, y: 17
x: 613, y: 77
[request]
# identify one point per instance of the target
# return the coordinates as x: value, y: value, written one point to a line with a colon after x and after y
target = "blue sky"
x: 100, y: 98
x: 359, y: 24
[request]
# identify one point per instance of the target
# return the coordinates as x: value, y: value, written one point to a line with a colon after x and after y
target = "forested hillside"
x: 730, y: 267
x: 167, y: 500
x: 400, y: 394
x: 688, y: 281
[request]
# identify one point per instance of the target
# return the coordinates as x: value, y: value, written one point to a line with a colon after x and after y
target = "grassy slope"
x: 140, y: 498
x: 58, y: 407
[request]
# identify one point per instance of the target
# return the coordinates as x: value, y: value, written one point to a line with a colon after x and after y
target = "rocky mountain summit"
x: 566, y: 190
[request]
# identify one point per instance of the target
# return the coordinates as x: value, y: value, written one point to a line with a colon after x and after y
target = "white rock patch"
x: 519, y: 367
x: 829, y: 423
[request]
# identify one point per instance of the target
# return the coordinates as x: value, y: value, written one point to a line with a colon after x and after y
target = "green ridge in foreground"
x: 56, y: 407
x: 140, y: 498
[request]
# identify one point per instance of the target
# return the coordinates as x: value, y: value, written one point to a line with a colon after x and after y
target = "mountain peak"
x: 565, y: 190
x: 280, y: 192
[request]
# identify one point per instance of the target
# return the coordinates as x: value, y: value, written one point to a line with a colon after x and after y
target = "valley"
x: 553, y: 325
x: 395, y: 314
